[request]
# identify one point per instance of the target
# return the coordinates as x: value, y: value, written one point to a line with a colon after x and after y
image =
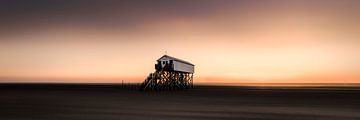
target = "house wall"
x: 179, y: 66
x: 164, y: 59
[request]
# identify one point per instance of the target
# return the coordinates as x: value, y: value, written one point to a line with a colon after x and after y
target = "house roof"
x: 177, y: 59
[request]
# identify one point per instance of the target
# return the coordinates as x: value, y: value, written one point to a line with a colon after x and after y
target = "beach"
x: 117, y: 102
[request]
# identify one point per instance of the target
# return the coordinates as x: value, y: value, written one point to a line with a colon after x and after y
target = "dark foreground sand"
x: 111, y: 102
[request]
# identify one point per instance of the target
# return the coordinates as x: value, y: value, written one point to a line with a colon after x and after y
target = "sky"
x: 229, y: 41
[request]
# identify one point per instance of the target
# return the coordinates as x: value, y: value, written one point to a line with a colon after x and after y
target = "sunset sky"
x: 229, y: 41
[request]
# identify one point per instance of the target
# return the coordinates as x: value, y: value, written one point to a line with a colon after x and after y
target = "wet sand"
x: 116, y: 102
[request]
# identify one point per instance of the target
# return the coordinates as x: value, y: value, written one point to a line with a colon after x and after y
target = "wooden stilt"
x: 167, y: 80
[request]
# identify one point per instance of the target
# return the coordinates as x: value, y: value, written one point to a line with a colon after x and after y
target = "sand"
x: 114, y: 102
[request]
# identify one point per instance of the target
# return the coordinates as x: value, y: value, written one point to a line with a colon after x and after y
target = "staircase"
x: 150, y: 81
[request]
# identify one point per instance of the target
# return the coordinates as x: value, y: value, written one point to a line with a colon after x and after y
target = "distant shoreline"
x: 285, y: 84
x: 199, y: 84
x: 135, y: 86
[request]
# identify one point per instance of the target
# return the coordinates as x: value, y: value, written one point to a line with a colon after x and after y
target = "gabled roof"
x: 176, y: 59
